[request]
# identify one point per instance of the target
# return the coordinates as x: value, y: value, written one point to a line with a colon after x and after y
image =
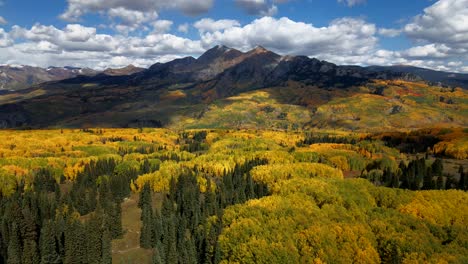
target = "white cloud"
x: 427, y: 51
x: 445, y: 22
x: 162, y: 26
x: 78, y: 33
x: 258, y: 7
x: 351, y: 3
x: 5, y: 40
x: 132, y: 18
x: 3, y: 21
x: 344, y: 36
x: 77, y: 8
x: 389, y: 32
x: 441, y: 32
x: 210, y: 25
x: 184, y: 28
x: 82, y: 46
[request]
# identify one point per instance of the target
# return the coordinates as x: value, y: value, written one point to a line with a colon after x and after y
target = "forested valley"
x: 242, y: 196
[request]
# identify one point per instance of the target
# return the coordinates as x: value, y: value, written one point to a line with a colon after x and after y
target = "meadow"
x: 233, y: 196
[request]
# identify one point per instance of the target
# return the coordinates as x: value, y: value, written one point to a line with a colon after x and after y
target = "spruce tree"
x: 146, y: 228
x: 463, y: 182
x: 106, y: 246
x: 428, y: 181
x: 170, y: 242
x: 145, y: 196
x: 157, y: 259
x: 48, y: 244
x: 14, y: 246
x: 30, y: 252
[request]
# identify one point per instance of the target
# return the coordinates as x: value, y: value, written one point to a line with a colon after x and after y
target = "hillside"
x: 271, y: 90
x: 437, y: 77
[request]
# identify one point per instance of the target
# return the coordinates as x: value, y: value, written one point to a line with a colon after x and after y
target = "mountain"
x: 17, y: 77
x: 437, y: 77
x: 128, y: 70
x: 228, y: 88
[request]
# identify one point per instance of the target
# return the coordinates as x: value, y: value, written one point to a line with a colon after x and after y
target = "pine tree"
x: 170, y: 242
x: 463, y: 182
x: 93, y: 239
x: 48, y: 244
x: 145, y: 196
x: 30, y: 252
x: 428, y: 181
x: 14, y: 246
x: 146, y: 228
x: 106, y: 246
x: 157, y: 256
x: 437, y: 167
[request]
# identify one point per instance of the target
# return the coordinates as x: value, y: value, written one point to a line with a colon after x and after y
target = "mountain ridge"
x: 186, y: 88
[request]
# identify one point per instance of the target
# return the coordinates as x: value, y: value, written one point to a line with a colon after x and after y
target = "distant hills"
x: 18, y: 77
x: 232, y: 89
x: 435, y: 77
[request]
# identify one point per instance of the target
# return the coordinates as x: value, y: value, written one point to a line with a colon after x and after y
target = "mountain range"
x: 268, y: 89
x: 18, y: 77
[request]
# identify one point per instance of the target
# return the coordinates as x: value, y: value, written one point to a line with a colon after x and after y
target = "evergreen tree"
x: 146, y: 228
x: 157, y: 256
x: 48, y: 244
x: 428, y: 181
x: 93, y: 239
x: 14, y: 246
x: 463, y: 182
x: 145, y: 196
x: 437, y: 167
x: 106, y: 246
x: 170, y: 242
x: 30, y: 252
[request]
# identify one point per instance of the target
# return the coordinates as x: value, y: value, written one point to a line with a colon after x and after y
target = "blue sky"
x: 114, y: 33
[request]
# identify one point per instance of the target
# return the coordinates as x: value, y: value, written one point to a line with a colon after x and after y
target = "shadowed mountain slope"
x: 182, y: 92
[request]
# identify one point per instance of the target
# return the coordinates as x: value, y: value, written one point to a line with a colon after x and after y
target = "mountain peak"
x: 260, y: 49
x: 219, y: 51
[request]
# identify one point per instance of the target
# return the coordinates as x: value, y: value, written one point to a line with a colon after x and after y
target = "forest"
x: 148, y: 195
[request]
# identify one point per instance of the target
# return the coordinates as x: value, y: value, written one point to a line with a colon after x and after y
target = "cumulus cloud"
x: 210, y: 25
x: 389, y: 32
x: 131, y: 17
x: 82, y: 46
x: 341, y: 36
x: 258, y: 7
x: 77, y: 8
x: 445, y: 22
x: 3, y: 21
x: 162, y: 26
x: 5, y: 40
x: 441, y: 32
x: 184, y: 28
x: 351, y: 3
